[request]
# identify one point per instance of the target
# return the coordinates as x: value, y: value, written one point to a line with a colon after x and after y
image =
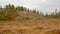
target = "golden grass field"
x: 30, y: 26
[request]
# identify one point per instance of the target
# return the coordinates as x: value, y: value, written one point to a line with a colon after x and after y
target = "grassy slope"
x: 34, y: 26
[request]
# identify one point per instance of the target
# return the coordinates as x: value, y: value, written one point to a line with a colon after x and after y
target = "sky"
x: 41, y: 5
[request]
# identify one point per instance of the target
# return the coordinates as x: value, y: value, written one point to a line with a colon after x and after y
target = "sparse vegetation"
x: 10, y: 12
x: 21, y: 20
x: 55, y: 14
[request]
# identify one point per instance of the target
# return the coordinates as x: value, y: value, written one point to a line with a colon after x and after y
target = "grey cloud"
x: 48, y: 5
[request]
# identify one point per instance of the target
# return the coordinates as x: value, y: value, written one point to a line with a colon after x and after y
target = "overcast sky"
x: 42, y: 5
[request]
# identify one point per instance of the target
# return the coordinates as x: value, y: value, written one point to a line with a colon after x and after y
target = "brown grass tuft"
x: 54, y: 31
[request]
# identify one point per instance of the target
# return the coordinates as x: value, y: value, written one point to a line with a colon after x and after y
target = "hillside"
x: 20, y: 20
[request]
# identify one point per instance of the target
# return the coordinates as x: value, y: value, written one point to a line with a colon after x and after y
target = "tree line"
x: 10, y: 12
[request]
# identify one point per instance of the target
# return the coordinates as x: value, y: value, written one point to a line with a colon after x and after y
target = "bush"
x: 8, y: 13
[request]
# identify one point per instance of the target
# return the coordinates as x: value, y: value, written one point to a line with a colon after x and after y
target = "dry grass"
x: 54, y: 31
x: 48, y: 26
